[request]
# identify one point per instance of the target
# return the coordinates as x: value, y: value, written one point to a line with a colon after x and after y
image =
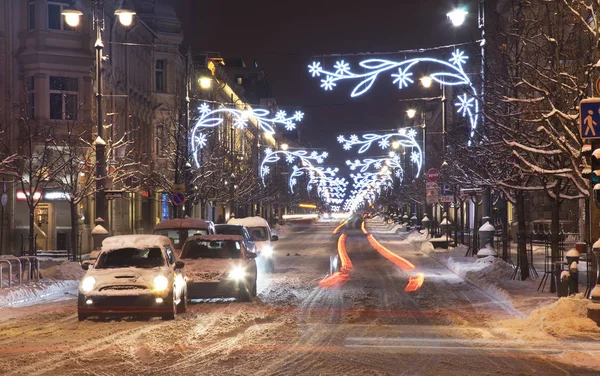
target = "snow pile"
x: 31, y: 292
x: 485, y: 273
x: 418, y: 237
x: 283, y: 231
x: 565, y: 318
x: 68, y: 270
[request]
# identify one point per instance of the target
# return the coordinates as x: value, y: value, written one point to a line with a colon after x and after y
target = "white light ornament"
x: 378, y: 163
x: 303, y: 157
x: 450, y: 73
x: 211, y: 118
x: 404, y: 137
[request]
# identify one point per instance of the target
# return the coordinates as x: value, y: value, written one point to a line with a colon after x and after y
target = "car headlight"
x: 267, y: 251
x: 88, y: 283
x: 237, y: 273
x: 160, y: 283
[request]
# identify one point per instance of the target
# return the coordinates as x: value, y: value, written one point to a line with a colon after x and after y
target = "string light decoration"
x: 211, y: 118
x: 450, y: 73
x: 366, y: 187
x: 393, y: 162
x: 404, y: 137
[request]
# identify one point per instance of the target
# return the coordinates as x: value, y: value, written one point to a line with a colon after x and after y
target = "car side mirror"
x: 86, y: 265
x: 274, y: 238
x: 251, y: 255
x: 179, y: 264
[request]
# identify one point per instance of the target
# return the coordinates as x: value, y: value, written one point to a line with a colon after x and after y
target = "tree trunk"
x: 521, y: 237
x: 74, y: 230
x: 31, y: 239
x: 555, y: 231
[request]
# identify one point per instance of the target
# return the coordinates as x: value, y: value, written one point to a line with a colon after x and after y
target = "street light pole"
x: 72, y: 18
x: 100, y: 144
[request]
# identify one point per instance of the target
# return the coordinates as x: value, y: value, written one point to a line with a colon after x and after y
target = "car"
x: 133, y: 275
x: 228, y: 229
x: 219, y: 266
x: 178, y: 230
x: 259, y: 229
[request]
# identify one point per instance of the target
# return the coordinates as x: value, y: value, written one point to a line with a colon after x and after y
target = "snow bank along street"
x: 397, y: 307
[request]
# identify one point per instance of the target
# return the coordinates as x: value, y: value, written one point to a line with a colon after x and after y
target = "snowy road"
x: 369, y: 326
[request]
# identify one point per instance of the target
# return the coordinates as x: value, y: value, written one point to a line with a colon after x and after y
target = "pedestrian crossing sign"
x: 589, y: 118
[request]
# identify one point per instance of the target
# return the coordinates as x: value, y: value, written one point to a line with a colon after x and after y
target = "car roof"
x: 228, y: 225
x: 249, y: 222
x: 183, y: 223
x: 134, y: 241
x: 215, y: 237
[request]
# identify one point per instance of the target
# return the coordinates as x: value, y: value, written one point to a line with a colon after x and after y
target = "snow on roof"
x: 249, y: 222
x: 133, y: 241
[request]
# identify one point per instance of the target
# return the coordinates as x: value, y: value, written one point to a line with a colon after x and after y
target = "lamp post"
x: 72, y: 18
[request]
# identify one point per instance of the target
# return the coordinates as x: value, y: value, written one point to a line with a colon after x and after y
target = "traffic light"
x: 590, y: 163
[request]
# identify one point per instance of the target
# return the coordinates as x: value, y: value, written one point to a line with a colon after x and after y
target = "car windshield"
x: 178, y: 236
x: 233, y: 230
x: 259, y: 233
x: 131, y: 257
x: 219, y: 249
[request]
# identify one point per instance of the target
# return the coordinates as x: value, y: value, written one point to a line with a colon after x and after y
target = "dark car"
x: 240, y: 230
x: 178, y: 230
x: 219, y: 266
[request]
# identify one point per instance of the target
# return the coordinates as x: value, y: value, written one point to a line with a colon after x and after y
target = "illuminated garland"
x: 366, y: 188
x: 210, y: 118
x: 377, y: 163
x: 450, y: 73
x: 404, y: 137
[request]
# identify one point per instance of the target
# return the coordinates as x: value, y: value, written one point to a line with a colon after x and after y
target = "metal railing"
x: 32, y: 272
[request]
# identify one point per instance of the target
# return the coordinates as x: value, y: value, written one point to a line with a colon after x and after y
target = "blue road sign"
x: 445, y: 190
x: 589, y: 118
x: 178, y: 198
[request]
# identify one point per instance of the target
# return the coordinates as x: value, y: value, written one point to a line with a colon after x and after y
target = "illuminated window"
x: 240, y: 80
x: 56, y: 21
x: 159, y: 75
x: 64, y: 93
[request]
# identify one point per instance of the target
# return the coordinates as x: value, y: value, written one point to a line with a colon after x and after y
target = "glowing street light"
x: 457, y: 16
x: 72, y: 16
x: 125, y: 16
x: 411, y: 112
x: 284, y: 147
x: 205, y: 82
x: 426, y: 81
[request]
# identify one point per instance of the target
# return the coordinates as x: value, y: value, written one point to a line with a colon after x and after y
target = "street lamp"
x: 426, y: 81
x: 411, y: 112
x: 457, y: 16
x: 205, y: 82
x: 72, y: 18
x: 284, y: 147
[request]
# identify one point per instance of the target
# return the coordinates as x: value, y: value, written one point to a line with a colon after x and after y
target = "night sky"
x: 285, y: 36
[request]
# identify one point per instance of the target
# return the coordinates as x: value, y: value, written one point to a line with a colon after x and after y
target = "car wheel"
x: 244, y: 295
x: 270, y: 266
x: 173, y: 312
x: 254, y: 289
x: 182, y: 307
x: 81, y: 316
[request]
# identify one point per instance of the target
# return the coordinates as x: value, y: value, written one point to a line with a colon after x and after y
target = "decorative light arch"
x: 211, y: 118
x: 450, y: 73
x: 404, y: 137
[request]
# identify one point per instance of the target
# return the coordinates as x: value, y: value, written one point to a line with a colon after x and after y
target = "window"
x: 56, y: 21
x: 63, y: 98
x: 170, y: 256
x: 159, y: 73
x: 240, y: 80
x: 161, y: 151
x: 31, y: 20
x: 31, y: 97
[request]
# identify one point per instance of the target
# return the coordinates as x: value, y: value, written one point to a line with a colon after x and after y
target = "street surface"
x: 368, y: 326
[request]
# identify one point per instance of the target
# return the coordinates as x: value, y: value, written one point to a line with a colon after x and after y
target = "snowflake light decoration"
x: 401, y: 138
x: 450, y: 73
x: 261, y: 118
x: 305, y: 159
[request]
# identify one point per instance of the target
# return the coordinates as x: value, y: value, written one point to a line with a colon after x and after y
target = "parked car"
x: 178, y: 230
x: 240, y: 230
x: 133, y: 275
x: 261, y: 233
x: 219, y: 266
